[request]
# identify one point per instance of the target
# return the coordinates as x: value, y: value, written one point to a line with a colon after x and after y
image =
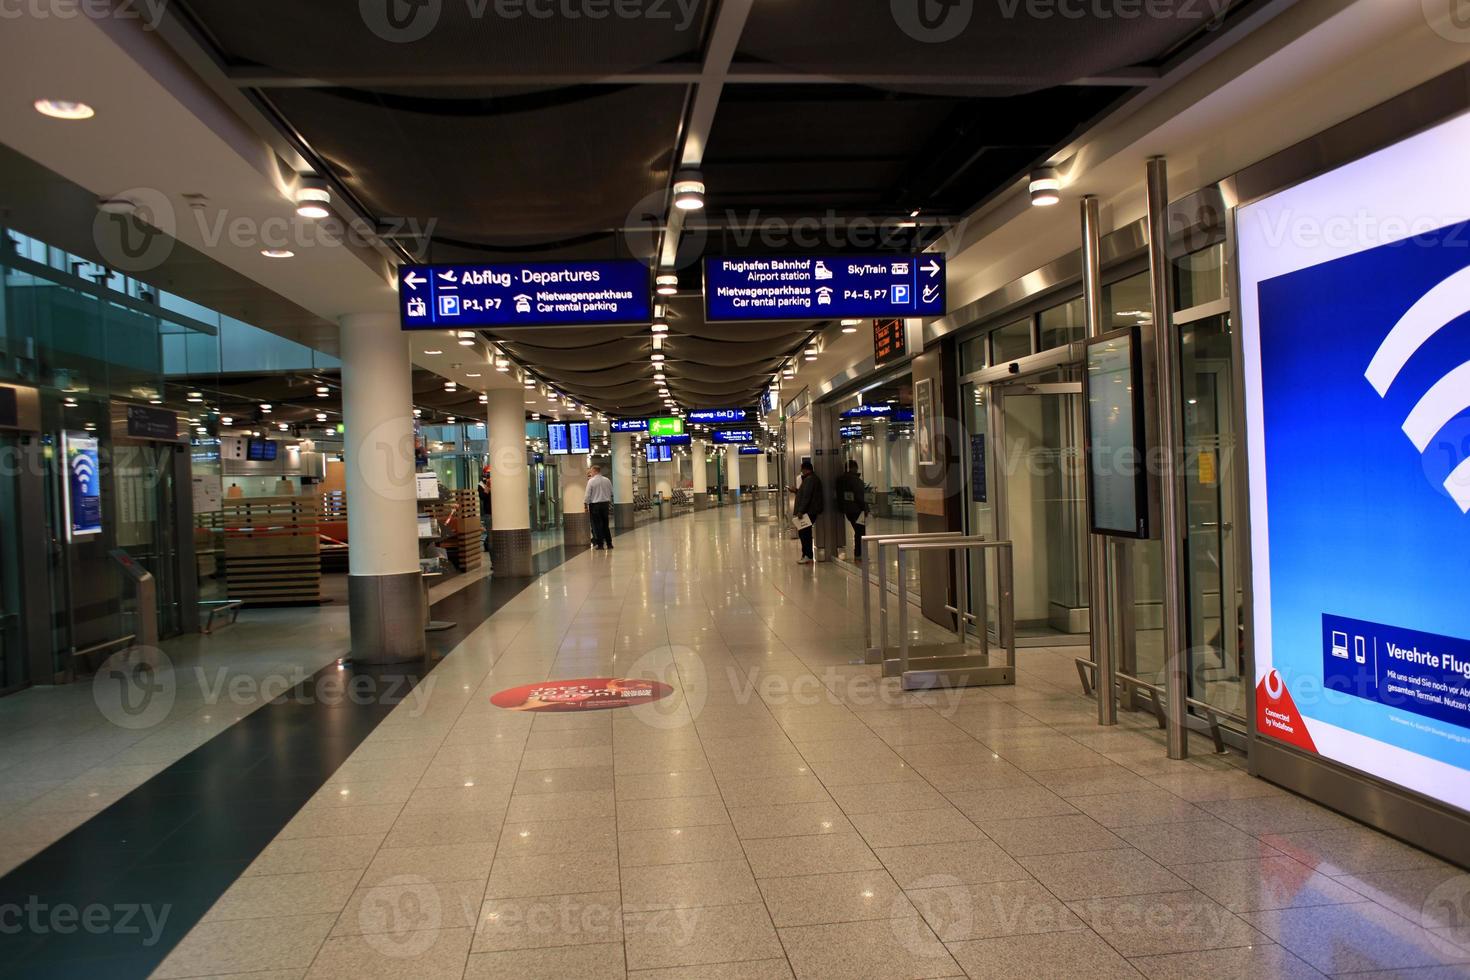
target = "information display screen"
x: 527, y: 294
x: 1117, y: 481
x: 659, y: 453
x: 890, y: 341
x: 1356, y: 353
x: 558, y: 439
x: 801, y: 287
x: 261, y: 450
x: 581, y: 433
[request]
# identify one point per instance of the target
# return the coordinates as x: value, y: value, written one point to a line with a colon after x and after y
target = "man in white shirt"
x: 599, y: 507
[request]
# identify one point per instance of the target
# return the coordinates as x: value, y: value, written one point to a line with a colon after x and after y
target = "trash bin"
x: 665, y: 508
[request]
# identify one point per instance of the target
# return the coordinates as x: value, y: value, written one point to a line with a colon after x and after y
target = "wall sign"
x: 925, y: 444
x: 528, y: 294
x: 83, y: 497
x: 721, y: 416
x: 978, y: 490
x: 1358, y: 456
x: 584, y: 694
x: 147, y: 422
x: 808, y: 287
x: 890, y: 341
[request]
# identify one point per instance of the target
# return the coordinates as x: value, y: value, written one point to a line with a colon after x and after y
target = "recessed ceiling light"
x: 667, y: 284
x: 473, y: 374
x: 656, y: 357
x: 433, y: 353
x: 64, y: 109
x: 321, y: 416
x: 265, y: 407
x: 850, y: 326
x: 322, y: 391
x: 660, y: 327
x: 277, y: 253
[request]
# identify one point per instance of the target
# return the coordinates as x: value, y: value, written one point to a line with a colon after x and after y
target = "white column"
x: 732, y: 469
x: 510, y: 483
x: 762, y: 470
x: 698, y: 463
x: 883, y: 456
x: 385, y: 599
x: 622, y: 464
x: 663, y: 479
x: 576, y: 522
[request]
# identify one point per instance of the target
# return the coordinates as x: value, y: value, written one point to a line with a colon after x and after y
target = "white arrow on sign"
x: 932, y: 268
x: 413, y: 280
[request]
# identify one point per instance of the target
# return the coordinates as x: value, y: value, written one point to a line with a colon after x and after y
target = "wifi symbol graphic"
x: 1448, y: 300
x: 84, y: 471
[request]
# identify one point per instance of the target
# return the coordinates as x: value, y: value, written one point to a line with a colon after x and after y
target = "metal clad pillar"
x: 1171, y: 443
x: 1101, y: 614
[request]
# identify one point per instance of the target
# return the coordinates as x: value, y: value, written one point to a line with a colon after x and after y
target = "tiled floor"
x: 788, y: 814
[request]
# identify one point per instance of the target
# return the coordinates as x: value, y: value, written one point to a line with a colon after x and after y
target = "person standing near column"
x: 806, y: 510
x: 852, y: 500
x: 599, y: 506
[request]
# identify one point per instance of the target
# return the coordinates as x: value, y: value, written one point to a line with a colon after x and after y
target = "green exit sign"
x: 666, y: 427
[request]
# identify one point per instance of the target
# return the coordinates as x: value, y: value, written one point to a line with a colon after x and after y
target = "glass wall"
x: 876, y: 430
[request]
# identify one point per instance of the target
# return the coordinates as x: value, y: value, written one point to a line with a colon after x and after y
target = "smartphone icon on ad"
x: 1360, y: 649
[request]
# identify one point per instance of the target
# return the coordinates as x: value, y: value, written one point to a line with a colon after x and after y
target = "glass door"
x: 13, y: 669
x: 1216, y: 653
x: 1042, y: 504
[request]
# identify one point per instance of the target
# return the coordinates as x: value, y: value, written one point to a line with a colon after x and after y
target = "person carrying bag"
x: 807, y: 509
x: 852, y: 500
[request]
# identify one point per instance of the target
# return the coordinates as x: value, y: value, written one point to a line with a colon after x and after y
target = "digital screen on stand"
x: 558, y: 438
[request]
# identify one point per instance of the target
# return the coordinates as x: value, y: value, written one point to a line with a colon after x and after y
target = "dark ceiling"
x: 552, y: 137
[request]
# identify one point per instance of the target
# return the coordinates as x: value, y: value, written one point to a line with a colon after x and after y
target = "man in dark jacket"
x: 853, y: 502
x: 807, y: 509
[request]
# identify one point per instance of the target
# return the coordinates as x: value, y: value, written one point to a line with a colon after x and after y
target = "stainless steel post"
x: 1171, y: 441
x: 1099, y: 614
x: 903, y: 615
x: 1006, y: 570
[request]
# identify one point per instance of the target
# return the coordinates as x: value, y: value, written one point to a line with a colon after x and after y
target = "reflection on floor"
x: 787, y: 813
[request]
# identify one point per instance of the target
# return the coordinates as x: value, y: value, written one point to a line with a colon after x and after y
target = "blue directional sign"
x: 528, y: 294
x: 721, y: 416
x: 732, y: 437
x: 811, y: 287
x: 628, y: 425
x: 670, y: 440
x: 751, y: 450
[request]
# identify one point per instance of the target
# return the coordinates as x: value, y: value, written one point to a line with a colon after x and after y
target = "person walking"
x: 806, y: 510
x: 852, y: 500
x: 599, y: 508
x: 484, y: 490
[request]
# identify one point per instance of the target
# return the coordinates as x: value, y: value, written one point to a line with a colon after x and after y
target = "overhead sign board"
x: 814, y: 287
x: 147, y: 422
x: 732, y: 437
x: 670, y: 440
x: 751, y: 450
x: 721, y: 416
x: 890, y: 341
x: 1358, y: 467
x: 628, y: 425
x: 527, y: 294
x: 672, y: 426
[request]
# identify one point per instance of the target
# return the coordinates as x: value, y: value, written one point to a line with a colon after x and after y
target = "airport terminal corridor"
x: 785, y: 812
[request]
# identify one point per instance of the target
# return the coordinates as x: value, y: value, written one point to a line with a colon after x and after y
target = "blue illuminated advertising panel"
x: 733, y: 437
x: 1358, y: 461
x: 83, y: 485
x: 721, y: 416
x: 628, y: 425
x: 806, y: 287
x: 526, y: 294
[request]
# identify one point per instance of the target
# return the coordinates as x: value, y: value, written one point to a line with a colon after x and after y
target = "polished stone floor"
x: 785, y: 813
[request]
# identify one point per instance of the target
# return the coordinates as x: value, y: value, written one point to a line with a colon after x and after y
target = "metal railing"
x: 873, y: 545
x: 954, y: 665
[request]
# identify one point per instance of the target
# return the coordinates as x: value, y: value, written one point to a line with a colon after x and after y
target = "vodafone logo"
x: 1275, y: 687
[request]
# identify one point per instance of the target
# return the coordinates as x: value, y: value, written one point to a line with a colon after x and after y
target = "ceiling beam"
x: 671, y: 74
